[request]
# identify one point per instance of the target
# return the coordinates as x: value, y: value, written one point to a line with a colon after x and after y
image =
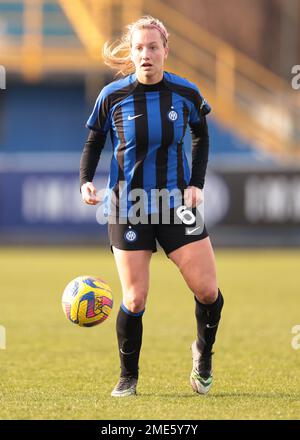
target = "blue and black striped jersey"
x: 147, y: 124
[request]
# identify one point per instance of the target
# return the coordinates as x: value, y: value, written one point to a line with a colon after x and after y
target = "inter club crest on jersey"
x: 172, y: 115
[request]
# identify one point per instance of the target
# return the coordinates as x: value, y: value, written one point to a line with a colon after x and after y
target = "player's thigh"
x: 133, y: 268
x: 196, y: 262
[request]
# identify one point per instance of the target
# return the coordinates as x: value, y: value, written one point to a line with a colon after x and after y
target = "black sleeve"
x: 200, y: 147
x: 90, y: 156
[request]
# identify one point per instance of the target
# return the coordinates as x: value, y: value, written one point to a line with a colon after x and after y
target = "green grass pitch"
x: 52, y: 369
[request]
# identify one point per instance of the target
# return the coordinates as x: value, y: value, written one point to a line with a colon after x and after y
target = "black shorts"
x: 128, y: 236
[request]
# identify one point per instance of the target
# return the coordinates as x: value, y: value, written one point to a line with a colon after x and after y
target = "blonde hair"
x: 117, y: 54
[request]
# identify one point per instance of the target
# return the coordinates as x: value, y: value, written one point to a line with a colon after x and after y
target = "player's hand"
x: 193, y: 196
x: 89, y: 193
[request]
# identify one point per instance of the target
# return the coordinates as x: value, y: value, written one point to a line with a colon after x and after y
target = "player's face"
x: 148, y: 55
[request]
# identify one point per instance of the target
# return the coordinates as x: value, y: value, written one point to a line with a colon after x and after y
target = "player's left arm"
x: 200, y: 149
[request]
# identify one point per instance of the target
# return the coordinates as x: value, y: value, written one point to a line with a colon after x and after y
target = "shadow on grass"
x: 259, y: 395
x: 168, y: 396
x: 289, y: 396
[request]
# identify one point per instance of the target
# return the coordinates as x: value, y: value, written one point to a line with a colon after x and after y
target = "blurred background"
x: 240, y: 53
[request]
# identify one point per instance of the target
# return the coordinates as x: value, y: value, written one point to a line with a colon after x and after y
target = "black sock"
x: 208, y: 317
x: 129, y: 332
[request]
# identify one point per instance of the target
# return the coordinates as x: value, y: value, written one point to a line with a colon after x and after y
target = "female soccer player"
x: 147, y: 113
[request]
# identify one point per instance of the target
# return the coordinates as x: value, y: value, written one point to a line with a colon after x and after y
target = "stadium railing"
x: 38, y: 37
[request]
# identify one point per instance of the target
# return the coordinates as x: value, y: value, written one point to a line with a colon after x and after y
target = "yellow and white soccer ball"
x: 87, y: 301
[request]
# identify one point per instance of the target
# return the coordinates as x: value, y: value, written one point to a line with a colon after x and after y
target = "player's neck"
x: 150, y: 80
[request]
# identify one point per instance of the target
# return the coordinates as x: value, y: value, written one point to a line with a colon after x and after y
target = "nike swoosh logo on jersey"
x: 134, y: 117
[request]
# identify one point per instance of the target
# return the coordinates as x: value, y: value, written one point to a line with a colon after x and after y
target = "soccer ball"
x: 87, y: 301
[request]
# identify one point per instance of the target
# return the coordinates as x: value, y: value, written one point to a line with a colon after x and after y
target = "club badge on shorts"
x: 130, y: 236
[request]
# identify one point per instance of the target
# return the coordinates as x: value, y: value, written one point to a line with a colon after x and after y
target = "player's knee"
x: 135, y: 301
x: 135, y: 305
x: 207, y: 293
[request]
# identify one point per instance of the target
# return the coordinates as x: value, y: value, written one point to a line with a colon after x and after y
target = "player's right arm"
x: 88, y: 164
x: 98, y: 123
